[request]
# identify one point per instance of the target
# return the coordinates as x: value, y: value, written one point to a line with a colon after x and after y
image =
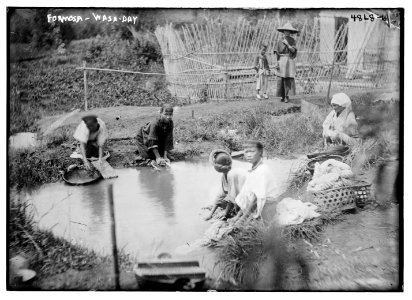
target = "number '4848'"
x: 363, y: 17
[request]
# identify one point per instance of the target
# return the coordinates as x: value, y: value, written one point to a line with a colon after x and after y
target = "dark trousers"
x: 144, y: 152
x: 285, y: 87
x: 92, y: 149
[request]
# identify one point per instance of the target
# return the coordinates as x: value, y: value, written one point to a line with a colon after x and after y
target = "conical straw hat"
x: 288, y: 27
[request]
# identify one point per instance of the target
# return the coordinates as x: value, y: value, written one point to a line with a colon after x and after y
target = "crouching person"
x: 340, y: 126
x: 155, y: 139
x: 231, y: 183
x: 91, y: 133
x: 260, y: 191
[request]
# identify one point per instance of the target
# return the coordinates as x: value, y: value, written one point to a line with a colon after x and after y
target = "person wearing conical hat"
x: 231, y: 183
x: 286, y: 52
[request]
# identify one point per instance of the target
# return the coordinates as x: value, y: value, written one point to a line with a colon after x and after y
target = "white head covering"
x: 340, y: 123
x: 341, y: 99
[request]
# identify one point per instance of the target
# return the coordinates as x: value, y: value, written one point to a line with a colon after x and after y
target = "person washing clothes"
x: 155, y: 139
x: 340, y: 126
x: 260, y: 190
x: 263, y: 72
x: 231, y: 182
x: 286, y: 52
x: 91, y: 133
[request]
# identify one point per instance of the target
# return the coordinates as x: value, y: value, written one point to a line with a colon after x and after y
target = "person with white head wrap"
x: 340, y: 126
x: 231, y: 183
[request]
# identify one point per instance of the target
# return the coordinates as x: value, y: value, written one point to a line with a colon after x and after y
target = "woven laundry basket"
x: 343, y: 198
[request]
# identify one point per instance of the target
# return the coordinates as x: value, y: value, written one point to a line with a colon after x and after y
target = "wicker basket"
x: 362, y: 193
x: 343, y: 198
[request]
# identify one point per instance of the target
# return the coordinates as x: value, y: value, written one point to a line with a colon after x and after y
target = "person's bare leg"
x: 248, y: 211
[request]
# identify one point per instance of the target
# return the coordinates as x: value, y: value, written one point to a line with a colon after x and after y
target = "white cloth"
x: 329, y: 174
x: 261, y: 183
x: 290, y: 211
x: 82, y: 133
x: 332, y: 166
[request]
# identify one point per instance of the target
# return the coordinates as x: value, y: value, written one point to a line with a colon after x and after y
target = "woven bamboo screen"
x: 214, y: 61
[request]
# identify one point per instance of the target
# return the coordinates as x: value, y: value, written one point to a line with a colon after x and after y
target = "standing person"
x: 263, y: 72
x: 286, y: 52
x: 91, y: 133
x: 340, y: 126
x: 155, y: 139
x: 231, y: 183
x: 260, y: 189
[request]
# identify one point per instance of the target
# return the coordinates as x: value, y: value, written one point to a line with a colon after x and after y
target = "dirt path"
x: 359, y: 253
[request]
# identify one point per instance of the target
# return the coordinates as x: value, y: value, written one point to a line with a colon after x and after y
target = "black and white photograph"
x: 204, y: 148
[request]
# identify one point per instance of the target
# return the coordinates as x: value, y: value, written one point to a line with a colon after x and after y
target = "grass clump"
x: 31, y: 168
x: 238, y: 250
x: 311, y: 229
x: 242, y: 252
x: 284, y: 134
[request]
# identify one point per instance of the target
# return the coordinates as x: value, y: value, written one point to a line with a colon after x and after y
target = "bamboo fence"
x: 214, y: 61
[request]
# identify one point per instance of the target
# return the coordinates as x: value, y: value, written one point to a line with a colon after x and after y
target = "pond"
x: 155, y: 211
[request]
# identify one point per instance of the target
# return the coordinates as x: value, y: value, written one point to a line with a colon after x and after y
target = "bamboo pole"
x: 85, y: 84
x: 114, y: 243
x: 330, y: 79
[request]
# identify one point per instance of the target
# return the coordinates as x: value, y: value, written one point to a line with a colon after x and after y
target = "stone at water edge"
x: 23, y: 140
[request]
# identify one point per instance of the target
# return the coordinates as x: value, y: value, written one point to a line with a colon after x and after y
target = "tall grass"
x: 282, y: 135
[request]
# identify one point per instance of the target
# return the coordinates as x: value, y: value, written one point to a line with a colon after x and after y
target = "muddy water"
x: 155, y: 211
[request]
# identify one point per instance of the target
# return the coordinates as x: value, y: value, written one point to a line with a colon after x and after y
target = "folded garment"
x: 290, y: 212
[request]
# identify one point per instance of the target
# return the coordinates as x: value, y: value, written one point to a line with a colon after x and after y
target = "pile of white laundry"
x: 290, y: 212
x: 330, y: 174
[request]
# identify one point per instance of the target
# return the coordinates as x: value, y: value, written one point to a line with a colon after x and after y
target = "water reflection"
x: 159, y: 186
x: 94, y: 197
x: 154, y: 210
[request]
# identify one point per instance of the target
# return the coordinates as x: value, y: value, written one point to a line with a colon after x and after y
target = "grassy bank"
x: 50, y: 256
x: 284, y: 133
x: 33, y: 167
x: 281, y: 133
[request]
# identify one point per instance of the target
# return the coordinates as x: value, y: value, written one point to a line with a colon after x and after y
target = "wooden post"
x: 85, y: 84
x: 193, y: 114
x: 114, y: 243
x: 331, y: 75
x: 226, y: 79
